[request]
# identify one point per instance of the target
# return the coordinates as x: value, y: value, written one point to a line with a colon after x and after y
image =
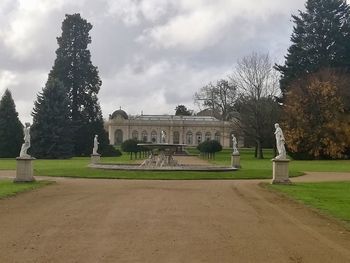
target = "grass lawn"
x: 8, y: 188
x: 251, y: 168
x: 332, y: 198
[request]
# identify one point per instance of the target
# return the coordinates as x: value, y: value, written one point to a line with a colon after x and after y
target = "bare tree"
x: 257, y: 84
x: 219, y: 98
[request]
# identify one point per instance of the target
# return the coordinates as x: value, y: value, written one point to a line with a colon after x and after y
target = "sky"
x: 152, y: 55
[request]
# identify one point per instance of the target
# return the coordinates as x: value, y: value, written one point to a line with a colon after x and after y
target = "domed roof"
x: 120, y: 113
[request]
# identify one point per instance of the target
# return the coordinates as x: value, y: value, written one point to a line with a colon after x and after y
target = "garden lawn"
x: 332, y: 198
x: 252, y: 168
x: 9, y: 188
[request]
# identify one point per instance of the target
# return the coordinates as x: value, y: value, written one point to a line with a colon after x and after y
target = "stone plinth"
x: 24, y: 169
x: 95, y: 158
x: 280, y: 173
x: 236, y: 160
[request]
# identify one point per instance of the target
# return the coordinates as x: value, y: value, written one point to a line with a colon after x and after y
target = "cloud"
x: 158, y: 87
x: 201, y: 24
x: 151, y: 54
x: 26, y: 25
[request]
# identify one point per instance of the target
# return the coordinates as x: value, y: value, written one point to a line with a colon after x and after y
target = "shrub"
x: 209, y: 148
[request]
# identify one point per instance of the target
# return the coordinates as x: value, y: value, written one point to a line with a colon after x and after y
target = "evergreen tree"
x: 51, y: 132
x: 181, y: 110
x: 11, y: 129
x: 320, y: 39
x: 73, y: 67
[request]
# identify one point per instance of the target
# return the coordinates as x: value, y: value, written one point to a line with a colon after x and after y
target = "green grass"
x: 332, y: 198
x: 251, y: 168
x: 8, y: 188
x: 263, y: 168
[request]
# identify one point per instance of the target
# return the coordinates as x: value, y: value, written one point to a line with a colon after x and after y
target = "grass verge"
x: 252, y: 168
x: 9, y: 188
x: 331, y: 198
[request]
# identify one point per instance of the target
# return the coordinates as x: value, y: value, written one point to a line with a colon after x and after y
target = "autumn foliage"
x: 317, y: 117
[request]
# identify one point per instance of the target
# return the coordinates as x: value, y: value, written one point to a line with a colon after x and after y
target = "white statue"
x: 280, y: 141
x: 163, y: 136
x: 234, y: 145
x: 26, y: 144
x: 96, y: 143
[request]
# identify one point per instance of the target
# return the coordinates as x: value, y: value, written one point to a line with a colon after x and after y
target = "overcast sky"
x: 151, y: 54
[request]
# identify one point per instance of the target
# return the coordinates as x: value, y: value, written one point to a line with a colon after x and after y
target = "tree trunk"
x: 256, y: 150
x: 260, y: 151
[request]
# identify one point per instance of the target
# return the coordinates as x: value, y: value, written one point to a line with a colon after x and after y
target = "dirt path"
x: 81, y: 220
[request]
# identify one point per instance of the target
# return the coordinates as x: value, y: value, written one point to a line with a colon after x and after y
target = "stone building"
x: 190, y: 130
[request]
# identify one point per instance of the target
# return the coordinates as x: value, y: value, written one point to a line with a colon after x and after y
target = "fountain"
x: 161, y: 158
x: 161, y: 154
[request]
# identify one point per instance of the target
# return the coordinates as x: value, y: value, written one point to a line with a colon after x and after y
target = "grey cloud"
x: 139, y: 75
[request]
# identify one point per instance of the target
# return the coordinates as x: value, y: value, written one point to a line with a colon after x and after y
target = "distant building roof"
x: 174, y: 117
x: 119, y: 112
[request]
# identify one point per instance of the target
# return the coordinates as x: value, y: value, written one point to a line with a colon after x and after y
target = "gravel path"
x: 82, y: 220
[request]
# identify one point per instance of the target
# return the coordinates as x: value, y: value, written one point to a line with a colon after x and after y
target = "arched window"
x: 135, y: 135
x: 198, y: 137
x: 154, y: 136
x: 118, y: 137
x: 217, y: 136
x: 144, y: 136
x: 176, y: 137
x: 207, y: 136
x: 189, y: 138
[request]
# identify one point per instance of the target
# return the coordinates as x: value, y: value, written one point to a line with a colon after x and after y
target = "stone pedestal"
x: 95, y: 158
x: 280, y: 173
x: 236, y: 160
x: 24, y: 169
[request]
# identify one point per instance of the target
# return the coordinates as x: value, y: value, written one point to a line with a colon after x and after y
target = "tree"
x: 181, y: 110
x: 257, y: 82
x: 320, y: 39
x: 219, y: 98
x: 209, y: 148
x: 11, y: 132
x: 316, y: 116
x: 73, y: 67
x: 130, y: 146
x: 51, y: 132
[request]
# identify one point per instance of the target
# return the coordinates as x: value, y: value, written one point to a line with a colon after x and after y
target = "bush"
x: 209, y: 148
x: 110, y: 151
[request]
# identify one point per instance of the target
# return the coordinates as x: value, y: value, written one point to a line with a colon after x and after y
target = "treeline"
x: 66, y: 114
x: 309, y: 94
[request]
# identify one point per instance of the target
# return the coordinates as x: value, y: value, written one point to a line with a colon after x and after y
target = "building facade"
x: 190, y: 130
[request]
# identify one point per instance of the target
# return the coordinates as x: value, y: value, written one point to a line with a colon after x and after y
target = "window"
x: 189, y: 138
x: 207, y: 136
x: 118, y: 137
x: 154, y: 136
x: 217, y: 136
x: 198, y: 137
x: 176, y: 137
x: 135, y: 135
x: 144, y: 136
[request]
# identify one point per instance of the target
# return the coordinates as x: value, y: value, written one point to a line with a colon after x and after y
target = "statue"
x: 280, y: 141
x: 234, y: 145
x: 26, y: 144
x: 96, y: 143
x: 163, y: 136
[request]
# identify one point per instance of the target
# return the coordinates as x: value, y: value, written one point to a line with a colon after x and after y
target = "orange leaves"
x: 315, y: 119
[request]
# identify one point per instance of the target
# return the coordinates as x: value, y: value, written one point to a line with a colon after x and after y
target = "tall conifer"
x: 51, y: 132
x: 320, y: 39
x: 73, y: 67
x: 11, y: 129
